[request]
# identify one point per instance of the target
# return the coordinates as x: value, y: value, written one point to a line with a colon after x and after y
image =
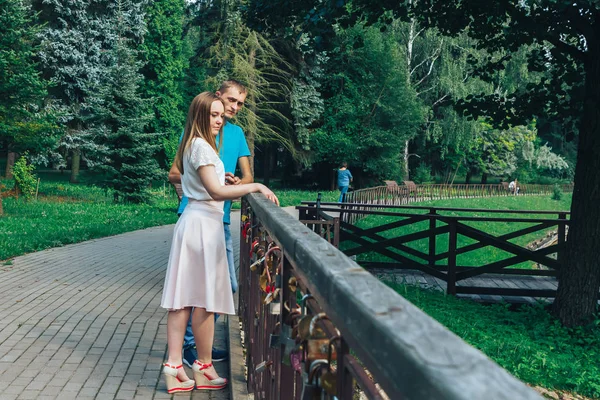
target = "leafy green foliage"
x: 422, y: 174
x: 557, y: 193
x: 25, y: 179
x: 163, y: 69
x: 25, y: 122
x: 529, y: 342
x: 367, y: 87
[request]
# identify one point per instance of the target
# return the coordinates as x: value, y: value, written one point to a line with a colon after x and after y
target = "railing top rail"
x: 362, y: 205
x: 406, y: 350
x: 322, y: 212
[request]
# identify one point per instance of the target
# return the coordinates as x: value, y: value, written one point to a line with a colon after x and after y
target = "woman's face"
x: 217, y: 113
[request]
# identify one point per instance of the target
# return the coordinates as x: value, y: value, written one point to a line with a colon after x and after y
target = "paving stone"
x: 94, y: 328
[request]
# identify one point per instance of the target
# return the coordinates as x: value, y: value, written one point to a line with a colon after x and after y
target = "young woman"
x: 197, y: 275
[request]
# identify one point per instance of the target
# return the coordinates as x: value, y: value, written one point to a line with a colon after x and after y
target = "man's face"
x: 233, y: 100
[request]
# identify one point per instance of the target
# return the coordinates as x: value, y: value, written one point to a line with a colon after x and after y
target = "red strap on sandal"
x: 203, y: 366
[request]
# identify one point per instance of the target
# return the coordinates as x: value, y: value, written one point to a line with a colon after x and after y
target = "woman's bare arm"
x: 218, y: 192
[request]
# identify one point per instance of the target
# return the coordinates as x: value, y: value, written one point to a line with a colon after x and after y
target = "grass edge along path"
x: 68, y: 213
x: 529, y: 343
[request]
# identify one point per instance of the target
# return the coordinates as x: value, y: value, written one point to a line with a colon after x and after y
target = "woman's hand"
x: 268, y: 193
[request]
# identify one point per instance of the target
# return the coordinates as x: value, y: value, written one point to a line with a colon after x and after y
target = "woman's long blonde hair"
x: 198, y: 125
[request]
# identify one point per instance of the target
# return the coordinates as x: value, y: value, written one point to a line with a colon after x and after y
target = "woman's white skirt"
x: 198, y: 274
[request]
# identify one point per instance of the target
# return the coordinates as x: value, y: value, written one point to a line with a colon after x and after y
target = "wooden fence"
x: 375, y: 335
x: 434, y: 240
x: 394, y: 194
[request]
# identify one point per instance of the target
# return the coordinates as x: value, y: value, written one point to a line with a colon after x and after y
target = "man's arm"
x: 174, y: 174
x: 244, y: 164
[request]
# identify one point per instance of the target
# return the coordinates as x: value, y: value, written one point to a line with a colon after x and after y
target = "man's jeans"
x: 343, y: 191
x: 188, y: 339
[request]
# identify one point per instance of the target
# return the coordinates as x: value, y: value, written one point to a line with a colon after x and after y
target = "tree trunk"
x: 483, y: 178
x: 250, y: 133
x: 406, y: 170
x: 10, y: 161
x: 1, y: 208
x: 468, y: 177
x: 75, y: 163
x: 579, y: 277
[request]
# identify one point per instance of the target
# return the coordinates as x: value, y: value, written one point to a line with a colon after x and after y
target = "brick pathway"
x: 83, y: 321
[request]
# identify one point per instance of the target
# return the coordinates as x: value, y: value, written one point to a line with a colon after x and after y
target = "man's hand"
x: 231, y: 179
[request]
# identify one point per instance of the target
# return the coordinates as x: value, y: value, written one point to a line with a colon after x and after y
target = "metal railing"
x: 376, y: 336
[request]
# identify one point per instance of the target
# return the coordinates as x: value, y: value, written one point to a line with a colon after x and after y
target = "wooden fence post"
x: 432, y: 236
x: 451, y: 281
x: 562, y: 238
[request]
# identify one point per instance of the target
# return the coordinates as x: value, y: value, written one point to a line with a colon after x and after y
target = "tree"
x: 163, y: 66
x: 25, y: 121
x: 118, y: 117
x: 228, y: 49
x: 75, y: 54
x: 566, y: 40
x: 365, y: 89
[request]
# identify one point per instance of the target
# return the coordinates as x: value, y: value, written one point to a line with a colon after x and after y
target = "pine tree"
x: 75, y: 54
x: 119, y: 115
x: 24, y: 123
x: 162, y: 54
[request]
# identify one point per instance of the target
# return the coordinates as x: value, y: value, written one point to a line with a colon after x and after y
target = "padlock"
x: 256, y: 264
x: 288, y: 337
x: 329, y: 375
x: 296, y: 360
x: 317, y: 345
x: 310, y: 386
x: 275, y: 306
x: 304, y: 327
x: 287, y: 344
x: 260, y: 367
x: 264, y: 282
x: 294, y: 348
x: 293, y: 284
x: 269, y: 298
x: 275, y: 340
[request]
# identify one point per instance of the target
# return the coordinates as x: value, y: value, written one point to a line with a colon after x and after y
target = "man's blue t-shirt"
x: 234, y: 147
x: 344, y: 177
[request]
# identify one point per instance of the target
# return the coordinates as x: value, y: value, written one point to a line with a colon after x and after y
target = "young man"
x: 233, y: 152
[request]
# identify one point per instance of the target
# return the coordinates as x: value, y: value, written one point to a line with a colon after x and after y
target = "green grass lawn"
x: 68, y: 213
x: 477, y: 257
x: 529, y: 343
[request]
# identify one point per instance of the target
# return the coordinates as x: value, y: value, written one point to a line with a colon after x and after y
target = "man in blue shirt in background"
x: 344, y: 178
x: 234, y: 152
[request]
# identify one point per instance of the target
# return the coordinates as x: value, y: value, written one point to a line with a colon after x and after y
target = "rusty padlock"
x: 317, y: 346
